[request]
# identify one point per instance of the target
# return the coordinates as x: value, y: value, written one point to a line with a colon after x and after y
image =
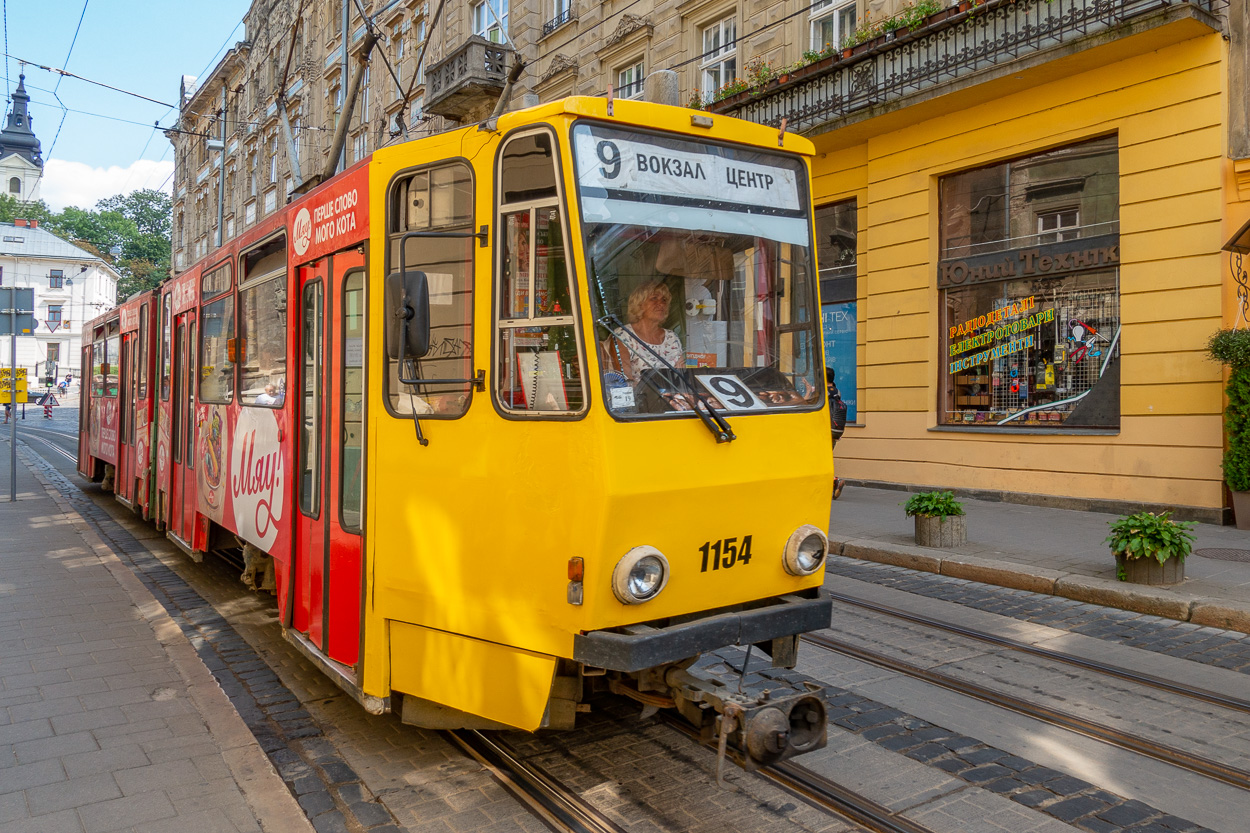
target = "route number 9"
x: 610, y: 155
x: 730, y: 391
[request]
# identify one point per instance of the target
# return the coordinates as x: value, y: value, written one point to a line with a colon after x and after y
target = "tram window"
x: 528, y: 170
x: 260, y: 349
x: 539, y: 368
x: 98, y: 364
x: 217, y: 351
x: 142, y: 387
x: 215, y: 282
x: 166, y: 366
x: 352, y: 384
x: 310, y: 402
x: 265, y: 259
x: 440, y: 199
x: 112, y: 354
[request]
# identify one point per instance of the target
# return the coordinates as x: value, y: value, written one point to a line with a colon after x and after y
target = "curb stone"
x: 1139, y: 598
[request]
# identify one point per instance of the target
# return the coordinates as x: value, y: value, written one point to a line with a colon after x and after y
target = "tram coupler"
x: 765, y: 727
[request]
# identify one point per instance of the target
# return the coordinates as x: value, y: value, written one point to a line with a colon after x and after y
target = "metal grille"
x: 1225, y: 554
x: 988, y: 36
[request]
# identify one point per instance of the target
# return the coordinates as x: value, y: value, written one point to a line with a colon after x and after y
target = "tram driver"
x: 645, y: 314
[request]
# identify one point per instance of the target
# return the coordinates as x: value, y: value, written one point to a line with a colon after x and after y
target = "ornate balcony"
x: 951, y: 50
x: 466, y: 84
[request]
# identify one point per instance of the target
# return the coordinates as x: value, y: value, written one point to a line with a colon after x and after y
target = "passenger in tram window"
x: 645, y: 313
x: 271, y: 396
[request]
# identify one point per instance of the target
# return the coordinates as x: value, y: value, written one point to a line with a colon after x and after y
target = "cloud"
x: 78, y: 184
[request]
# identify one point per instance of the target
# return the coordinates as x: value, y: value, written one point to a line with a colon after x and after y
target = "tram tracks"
x: 1209, y: 768
x: 820, y: 792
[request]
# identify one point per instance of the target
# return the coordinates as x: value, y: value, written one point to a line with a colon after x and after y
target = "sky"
x: 103, y: 143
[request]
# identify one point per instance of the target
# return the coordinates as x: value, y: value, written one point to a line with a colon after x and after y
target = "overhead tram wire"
x: 65, y: 63
x: 64, y: 73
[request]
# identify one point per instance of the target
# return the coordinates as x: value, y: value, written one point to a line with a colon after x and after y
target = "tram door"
x: 126, y: 415
x: 329, y: 454
x: 181, y: 499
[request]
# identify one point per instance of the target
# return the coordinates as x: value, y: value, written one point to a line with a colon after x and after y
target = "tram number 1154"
x: 726, y: 553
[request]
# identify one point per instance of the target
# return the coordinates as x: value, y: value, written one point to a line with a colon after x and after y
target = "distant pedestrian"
x: 837, y: 419
x: 7, y: 409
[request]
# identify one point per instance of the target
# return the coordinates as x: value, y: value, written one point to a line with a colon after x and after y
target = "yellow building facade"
x: 1109, y: 163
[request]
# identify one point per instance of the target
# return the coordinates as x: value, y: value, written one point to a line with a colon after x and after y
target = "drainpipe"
x: 221, y: 185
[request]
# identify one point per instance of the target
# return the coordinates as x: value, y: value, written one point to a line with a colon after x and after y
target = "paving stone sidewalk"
x: 108, y: 719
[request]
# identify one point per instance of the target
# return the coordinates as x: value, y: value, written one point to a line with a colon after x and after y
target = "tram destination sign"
x: 23, y: 300
x: 636, y: 178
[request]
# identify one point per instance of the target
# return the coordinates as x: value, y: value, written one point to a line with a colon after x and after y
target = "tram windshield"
x: 700, y: 273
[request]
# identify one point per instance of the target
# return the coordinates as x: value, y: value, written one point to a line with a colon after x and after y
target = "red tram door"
x: 329, y: 455
x: 125, y: 448
x: 182, y: 478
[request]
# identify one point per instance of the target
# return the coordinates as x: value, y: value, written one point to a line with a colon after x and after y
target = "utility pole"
x: 341, y: 162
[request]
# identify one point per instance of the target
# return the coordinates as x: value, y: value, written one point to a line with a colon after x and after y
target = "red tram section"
x: 204, y: 394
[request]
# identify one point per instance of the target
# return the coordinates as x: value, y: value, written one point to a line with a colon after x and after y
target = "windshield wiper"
x: 708, y: 415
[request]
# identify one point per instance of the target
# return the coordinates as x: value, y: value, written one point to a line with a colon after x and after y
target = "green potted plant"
x: 1231, y: 348
x: 939, y: 519
x: 1150, y: 548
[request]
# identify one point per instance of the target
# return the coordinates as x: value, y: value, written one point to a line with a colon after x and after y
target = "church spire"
x: 17, y: 136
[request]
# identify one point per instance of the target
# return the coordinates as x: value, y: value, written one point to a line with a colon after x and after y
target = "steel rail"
x: 1114, y: 737
x: 559, y: 808
x: 818, y: 791
x: 1149, y: 680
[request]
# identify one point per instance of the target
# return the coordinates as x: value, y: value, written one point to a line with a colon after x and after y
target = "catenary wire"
x: 72, y: 42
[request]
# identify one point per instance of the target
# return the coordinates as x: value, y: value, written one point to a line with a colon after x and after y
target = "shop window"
x: 719, y: 59
x: 436, y: 203
x: 1030, y: 291
x: 837, y: 231
x: 540, y: 365
x: 832, y: 23
x: 260, y: 349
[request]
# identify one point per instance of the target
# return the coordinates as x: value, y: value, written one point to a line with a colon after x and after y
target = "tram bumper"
x: 638, y: 647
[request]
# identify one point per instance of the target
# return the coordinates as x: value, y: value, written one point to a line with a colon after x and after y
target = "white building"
x: 21, y: 165
x: 71, y: 286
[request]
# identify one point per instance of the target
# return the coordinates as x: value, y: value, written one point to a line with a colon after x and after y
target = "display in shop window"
x: 1029, y: 280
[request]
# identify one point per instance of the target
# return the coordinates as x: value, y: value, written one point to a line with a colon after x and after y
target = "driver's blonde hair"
x: 639, y: 297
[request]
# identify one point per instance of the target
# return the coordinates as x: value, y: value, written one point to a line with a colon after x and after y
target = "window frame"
x: 56, y: 279
x: 248, y: 282
x: 318, y: 431
x: 358, y: 528
x: 829, y: 9
x: 230, y: 297
x: 489, y: 21
x: 727, y: 51
x: 561, y: 202
x: 398, y: 178
x: 639, y: 68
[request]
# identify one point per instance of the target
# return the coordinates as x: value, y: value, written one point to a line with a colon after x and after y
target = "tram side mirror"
x: 407, y: 316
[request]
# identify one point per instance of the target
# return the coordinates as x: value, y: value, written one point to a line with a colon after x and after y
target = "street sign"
x: 23, y: 300
x: 6, y: 385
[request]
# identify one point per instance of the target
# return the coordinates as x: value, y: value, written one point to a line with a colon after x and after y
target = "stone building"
x: 1022, y: 206
x: 230, y: 126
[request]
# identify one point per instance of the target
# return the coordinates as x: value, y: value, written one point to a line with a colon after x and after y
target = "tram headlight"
x: 805, y: 551
x: 640, y: 575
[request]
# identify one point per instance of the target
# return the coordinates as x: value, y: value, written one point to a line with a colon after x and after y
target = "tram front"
x: 650, y: 482
x: 700, y: 272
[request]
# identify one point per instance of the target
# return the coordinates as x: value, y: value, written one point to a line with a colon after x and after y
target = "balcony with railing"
x: 466, y: 84
x: 957, y: 48
x: 567, y: 15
